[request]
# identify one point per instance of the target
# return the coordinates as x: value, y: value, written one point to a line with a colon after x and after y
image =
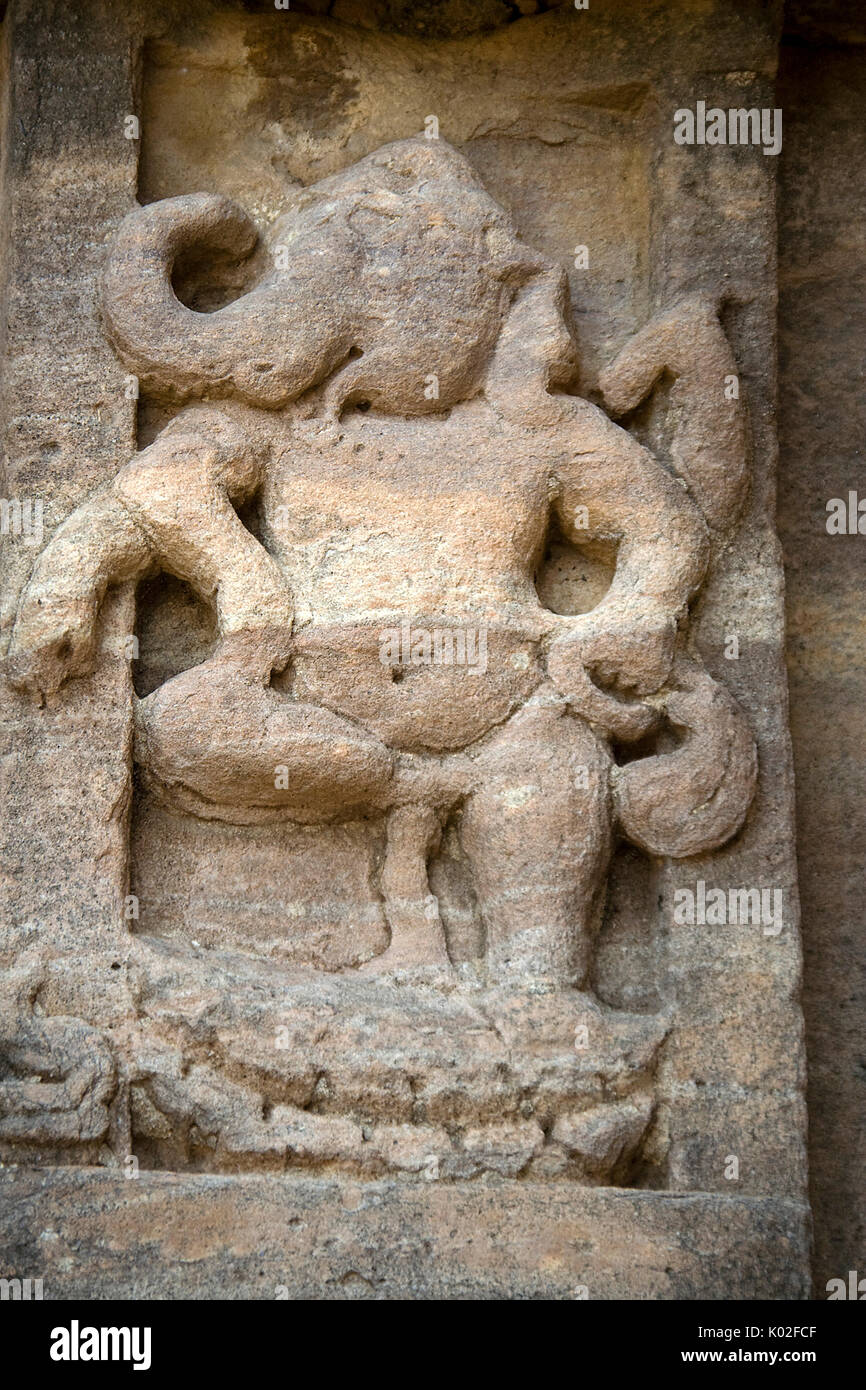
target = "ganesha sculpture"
x: 398, y: 393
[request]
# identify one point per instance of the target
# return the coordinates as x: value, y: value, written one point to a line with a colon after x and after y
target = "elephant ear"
x: 264, y: 348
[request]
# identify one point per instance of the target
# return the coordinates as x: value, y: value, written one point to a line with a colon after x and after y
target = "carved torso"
x: 379, y: 518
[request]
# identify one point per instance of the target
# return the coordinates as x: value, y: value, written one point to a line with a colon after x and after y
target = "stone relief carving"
x: 58, y: 1086
x: 398, y: 392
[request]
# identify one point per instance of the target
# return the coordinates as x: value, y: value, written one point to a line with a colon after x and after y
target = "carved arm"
x: 609, y: 488
x: 170, y: 506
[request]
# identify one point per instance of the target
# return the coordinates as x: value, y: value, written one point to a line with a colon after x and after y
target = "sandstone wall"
x: 822, y: 428
x: 207, y: 982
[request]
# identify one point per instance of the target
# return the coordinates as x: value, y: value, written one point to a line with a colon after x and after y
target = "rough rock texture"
x: 254, y: 1237
x: 421, y: 660
x: 822, y: 331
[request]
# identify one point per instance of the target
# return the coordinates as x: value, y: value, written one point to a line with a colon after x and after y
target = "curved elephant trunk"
x: 257, y: 348
x: 694, y: 799
x: 398, y: 269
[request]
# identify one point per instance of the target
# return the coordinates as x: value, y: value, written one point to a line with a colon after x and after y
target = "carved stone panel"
x: 397, y: 785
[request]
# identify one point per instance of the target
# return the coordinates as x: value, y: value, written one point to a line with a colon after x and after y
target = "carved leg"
x: 417, y: 935
x: 233, y: 742
x: 537, y: 832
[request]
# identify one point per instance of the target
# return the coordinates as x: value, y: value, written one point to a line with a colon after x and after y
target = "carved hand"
x: 54, y: 639
x: 628, y: 647
x: 54, y: 636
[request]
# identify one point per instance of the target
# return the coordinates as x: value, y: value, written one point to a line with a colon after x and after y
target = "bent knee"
x: 551, y: 743
x: 237, y: 743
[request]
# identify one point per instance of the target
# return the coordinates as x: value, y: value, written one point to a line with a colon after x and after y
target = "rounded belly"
x: 437, y: 688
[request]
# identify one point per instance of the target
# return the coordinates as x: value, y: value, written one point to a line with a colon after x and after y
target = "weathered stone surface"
x: 93, y: 1234
x: 456, y: 658
x: 822, y: 329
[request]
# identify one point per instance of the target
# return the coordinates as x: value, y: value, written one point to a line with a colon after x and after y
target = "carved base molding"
x: 238, y: 1063
x: 171, y: 1235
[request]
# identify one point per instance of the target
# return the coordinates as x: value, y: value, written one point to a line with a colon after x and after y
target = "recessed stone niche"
x: 378, y: 344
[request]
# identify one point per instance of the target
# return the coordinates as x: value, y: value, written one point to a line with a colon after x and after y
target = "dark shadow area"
x: 822, y: 429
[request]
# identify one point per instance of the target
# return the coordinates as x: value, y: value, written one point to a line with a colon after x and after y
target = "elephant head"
x: 395, y: 270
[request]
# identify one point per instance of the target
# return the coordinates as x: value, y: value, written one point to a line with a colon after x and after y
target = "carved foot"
x: 417, y: 950
x: 417, y: 935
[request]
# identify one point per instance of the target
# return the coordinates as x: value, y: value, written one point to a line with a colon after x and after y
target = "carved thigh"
x: 235, y: 742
